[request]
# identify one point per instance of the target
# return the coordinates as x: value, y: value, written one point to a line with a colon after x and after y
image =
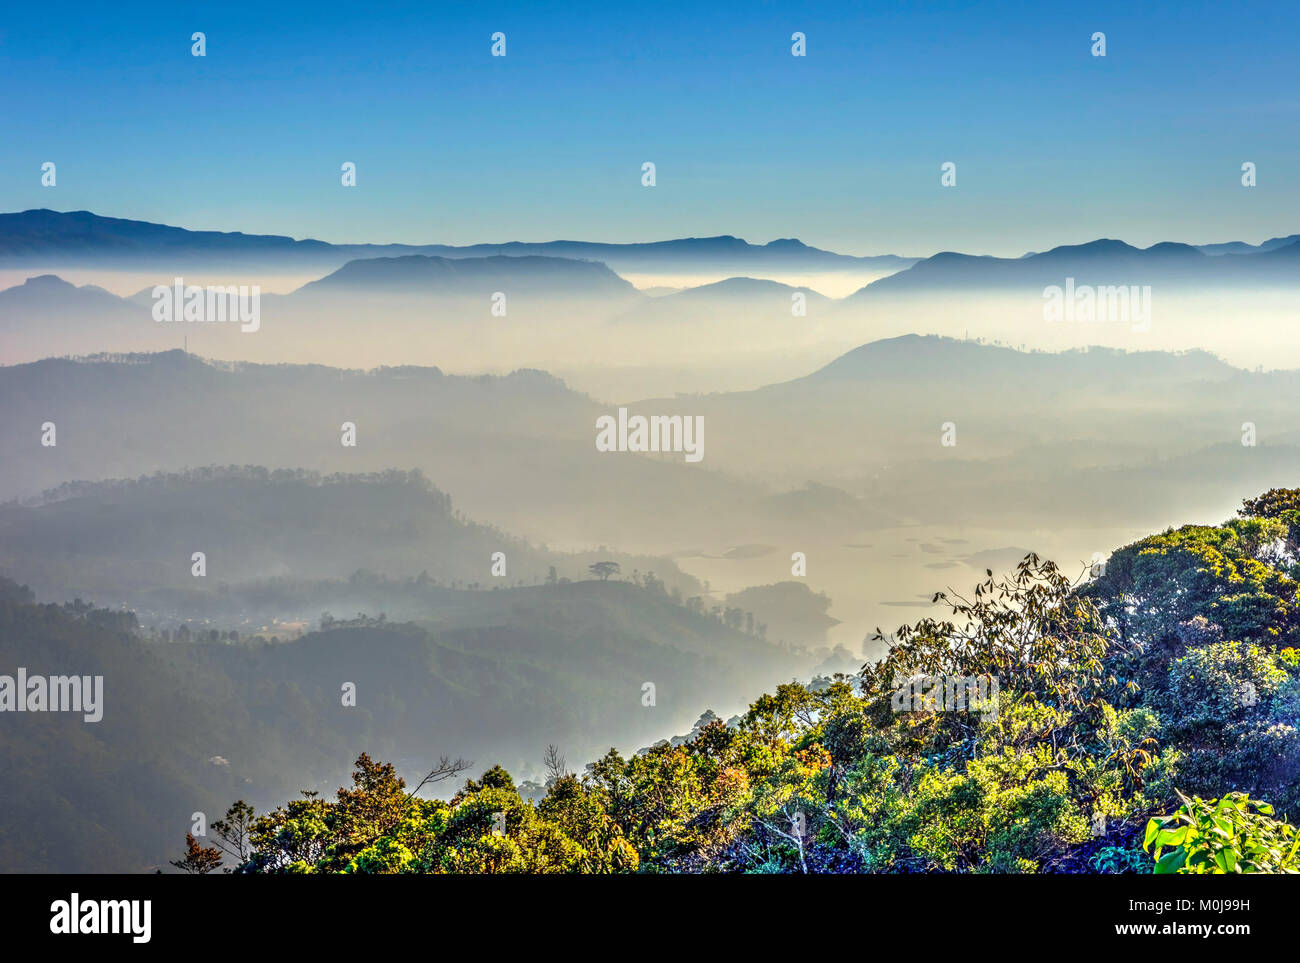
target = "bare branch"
x: 446, y: 768
x: 556, y: 768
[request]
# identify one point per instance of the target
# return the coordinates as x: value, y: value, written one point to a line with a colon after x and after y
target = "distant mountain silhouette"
x: 53, y: 238
x: 49, y: 292
x: 50, y: 312
x: 1241, y: 247
x: 743, y: 298
x: 1042, y: 435
x: 37, y: 234
x: 703, y: 254
x: 514, y: 449
x: 1047, y: 435
x: 473, y: 277
x: 393, y: 522
x: 929, y: 357
x: 744, y: 288
x: 1104, y: 261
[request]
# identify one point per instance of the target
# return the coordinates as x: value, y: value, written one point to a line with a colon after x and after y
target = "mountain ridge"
x: 28, y: 236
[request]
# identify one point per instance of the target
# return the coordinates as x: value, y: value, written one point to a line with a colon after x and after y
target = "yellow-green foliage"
x: 1172, y: 669
x: 1222, y: 836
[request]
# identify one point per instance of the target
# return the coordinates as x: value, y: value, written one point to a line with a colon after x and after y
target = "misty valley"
x: 849, y: 442
x: 376, y: 528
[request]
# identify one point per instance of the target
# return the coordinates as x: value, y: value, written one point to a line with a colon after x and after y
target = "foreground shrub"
x: 1229, y: 835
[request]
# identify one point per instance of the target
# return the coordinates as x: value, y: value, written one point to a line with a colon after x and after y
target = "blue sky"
x: 841, y: 148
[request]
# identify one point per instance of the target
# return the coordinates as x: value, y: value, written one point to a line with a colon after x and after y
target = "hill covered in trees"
x: 132, y: 540
x: 194, y: 718
x: 1135, y: 718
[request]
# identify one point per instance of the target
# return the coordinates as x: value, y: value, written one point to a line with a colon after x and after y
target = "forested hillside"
x: 1143, y: 716
x: 195, y: 718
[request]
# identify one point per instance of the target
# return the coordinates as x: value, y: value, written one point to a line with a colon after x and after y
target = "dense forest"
x: 193, y: 719
x: 132, y: 539
x: 1143, y: 717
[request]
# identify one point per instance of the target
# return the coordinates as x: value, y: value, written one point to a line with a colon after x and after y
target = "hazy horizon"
x: 579, y: 390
